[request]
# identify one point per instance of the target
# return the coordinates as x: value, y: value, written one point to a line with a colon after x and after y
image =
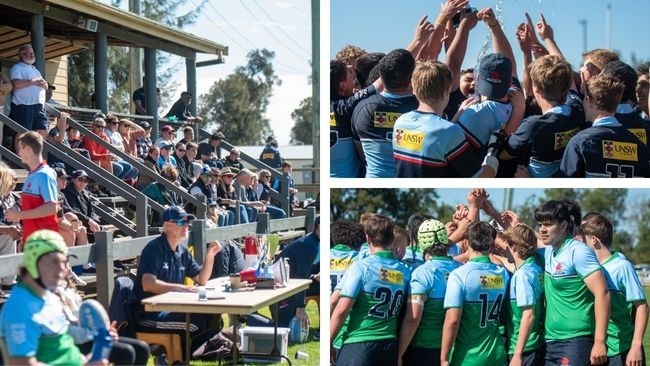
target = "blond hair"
x: 349, y: 54
x: 551, y: 75
x: 431, y: 80
x: 521, y: 239
x: 600, y: 57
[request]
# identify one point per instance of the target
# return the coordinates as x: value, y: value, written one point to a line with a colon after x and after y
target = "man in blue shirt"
x: 164, y: 264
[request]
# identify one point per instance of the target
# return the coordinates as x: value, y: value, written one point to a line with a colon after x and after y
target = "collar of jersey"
x: 624, y: 108
x: 566, y: 240
x: 385, y: 254
x: 342, y: 247
x: 40, y: 165
x: 395, y: 96
x: 609, y: 121
x: 481, y: 259
x: 442, y: 258
x: 611, y: 257
x: 562, y: 109
x: 528, y: 260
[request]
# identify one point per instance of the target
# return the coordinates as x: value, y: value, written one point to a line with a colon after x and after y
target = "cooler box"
x: 260, y: 340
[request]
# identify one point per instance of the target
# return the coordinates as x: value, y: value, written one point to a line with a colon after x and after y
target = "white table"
x: 236, y: 303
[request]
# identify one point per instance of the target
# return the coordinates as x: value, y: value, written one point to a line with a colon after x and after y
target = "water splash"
x: 498, y: 14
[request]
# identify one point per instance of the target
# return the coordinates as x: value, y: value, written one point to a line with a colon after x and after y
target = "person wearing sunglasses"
x: 164, y: 264
x: 78, y: 197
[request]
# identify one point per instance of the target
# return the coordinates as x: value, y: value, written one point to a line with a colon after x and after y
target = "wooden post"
x: 104, y: 266
x: 237, y: 213
x: 309, y: 219
x: 142, y: 216
x: 263, y: 223
x: 197, y: 238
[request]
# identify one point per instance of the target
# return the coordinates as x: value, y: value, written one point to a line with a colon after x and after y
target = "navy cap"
x: 212, y: 202
x: 79, y: 173
x: 175, y: 213
x: 494, y: 76
x: 60, y: 172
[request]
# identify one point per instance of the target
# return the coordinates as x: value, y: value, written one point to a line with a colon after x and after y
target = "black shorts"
x: 32, y: 117
x: 420, y: 356
x: 531, y: 358
x: 575, y: 351
x: 378, y: 353
x: 619, y: 359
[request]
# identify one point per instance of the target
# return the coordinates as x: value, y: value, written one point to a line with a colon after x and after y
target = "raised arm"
x: 525, y: 38
x: 545, y: 32
x: 454, y: 58
x: 499, y: 40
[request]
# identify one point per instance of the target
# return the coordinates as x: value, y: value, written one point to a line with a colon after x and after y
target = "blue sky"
x: 382, y: 25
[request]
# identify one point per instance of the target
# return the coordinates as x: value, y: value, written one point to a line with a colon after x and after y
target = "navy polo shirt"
x: 160, y: 260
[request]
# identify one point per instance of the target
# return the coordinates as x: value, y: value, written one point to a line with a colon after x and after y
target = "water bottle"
x: 102, y: 346
x: 298, y: 332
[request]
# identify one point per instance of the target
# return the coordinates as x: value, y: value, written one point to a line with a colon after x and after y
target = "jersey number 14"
x: 489, y: 312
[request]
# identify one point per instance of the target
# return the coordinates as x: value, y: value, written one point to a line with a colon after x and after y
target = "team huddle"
x: 472, y: 292
x: 405, y: 114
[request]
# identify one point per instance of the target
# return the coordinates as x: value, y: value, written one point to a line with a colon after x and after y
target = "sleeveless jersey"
x: 378, y: 284
x: 425, y: 145
x: 526, y: 289
x: 430, y: 279
x: 624, y: 288
x: 569, y: 303
x: 479, y: 288
x: 344, y: 161
x: 607, y: 149
x: 372, y: 124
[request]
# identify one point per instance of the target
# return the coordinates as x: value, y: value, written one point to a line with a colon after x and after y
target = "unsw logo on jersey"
x: 620, y: 150
x: 410, y: 140
x: 491, y: 282
x: 340, y: 264
x: 640, y: 133
x: 332, y: 119
x: 562, y: 138
x: 391, y: 276
x: 385, y: 119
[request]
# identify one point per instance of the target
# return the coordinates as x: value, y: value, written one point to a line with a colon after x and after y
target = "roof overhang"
x: 67, y: 20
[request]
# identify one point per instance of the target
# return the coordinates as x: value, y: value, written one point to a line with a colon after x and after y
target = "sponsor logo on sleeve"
x: 332, y: 119
x: 391, y: 276
x: 620, y: 150
x: 491, y: 282
x: 411, y: 140
x: 385, y: 119
x: 562, y: 138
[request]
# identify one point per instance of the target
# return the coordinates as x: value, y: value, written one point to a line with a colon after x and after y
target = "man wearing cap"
x: 79, y: 200
x: 39, y: 201
x: 165, y: 158
x: 71, y: 230
x: 271, y: 155
x: 181, y: 109
x: 167, y: 134
x: 33, y: 323
x: 48, y: 95
x: 164, y: 264
x: 210, y: 152
x: 143, y: 143
x: 421, y: 329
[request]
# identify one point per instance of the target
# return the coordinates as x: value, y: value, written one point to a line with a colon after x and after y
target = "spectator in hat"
x: 218, y: 217
x: 270, y: 154
x: 181, y: 109
x: 164, y: 264
x: 78, y: 198
x: 232, y: 160
x: 210, y: 152
x: 167, y: 134
x: 143, y: 143
x: 151, y: 161
x: 48, y: 95
x: 70, y: 228
x: 227, y: 195
x: 165, y: 158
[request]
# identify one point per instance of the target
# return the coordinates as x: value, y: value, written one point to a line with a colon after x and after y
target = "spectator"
x: 10, y: 231
x: 70, y: 228
x: 164, y: 264
x: 165, y: 158
x: 188, y: 135
x: 184, y: 166
x: 271, y: 155
x: 139, y: 99
x: 79, y: 199
x: 167, y: 135
x: 130, y: 133
x: 287, y: 168
x: 143, y: 143
x: 253, y: 208
x: 181, y: 109
x: 227, y: 195
x: 151, y: 161
x: 217, y: 216
x: 115, y: 138
x: 28, y: 97
x: 157, y: 192
x: 265, y: 196
x: 48, y: 95
x: 38, y: 202
x: 232, y: 161
x: 229, y: 260
x: 100, y: 155
x: 190, y: 160
x: 210, y: 152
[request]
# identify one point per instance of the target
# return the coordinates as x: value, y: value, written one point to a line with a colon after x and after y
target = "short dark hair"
x: 338, y: 73
x: 626, y: 75
x: 599, y: 226
x: 364, y: 64
x: 348, y: 233
x: 396, y: 69
x: 380, y: 231
x: 555, y: 211
x: 413, y: 224
x: 481, y: 235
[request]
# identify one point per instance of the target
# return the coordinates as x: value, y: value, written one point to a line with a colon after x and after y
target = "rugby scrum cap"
x: 39, y: 243
x: 430, y: 233
x: 494, y: 74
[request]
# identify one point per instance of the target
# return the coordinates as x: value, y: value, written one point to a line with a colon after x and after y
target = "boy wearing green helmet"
x: 32, y: 321
x: 421, y: 331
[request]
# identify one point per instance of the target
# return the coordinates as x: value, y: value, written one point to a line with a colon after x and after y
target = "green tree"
x: 398, y: 204
x: 301, y: 130
x: 238, y: 103
x: 640, y: 220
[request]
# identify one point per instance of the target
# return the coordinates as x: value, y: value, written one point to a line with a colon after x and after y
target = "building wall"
x: 56, y: 73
